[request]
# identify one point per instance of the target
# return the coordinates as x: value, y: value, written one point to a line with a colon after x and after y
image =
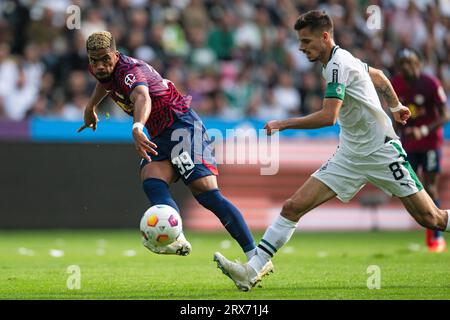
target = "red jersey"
x: 423, y: 98
x: 167, y: 102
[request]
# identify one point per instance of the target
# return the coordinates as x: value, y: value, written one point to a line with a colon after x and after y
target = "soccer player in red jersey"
x: 422, y: 136
x: 156, y: 104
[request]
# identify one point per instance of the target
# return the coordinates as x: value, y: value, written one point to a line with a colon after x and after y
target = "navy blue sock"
x: 436, y: 233
x: 229, y: 216
x: 157, y: 192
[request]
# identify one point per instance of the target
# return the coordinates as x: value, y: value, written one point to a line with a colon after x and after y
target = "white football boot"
x: 243, y: 276
x: 180, y: 247
x: 266, y: 270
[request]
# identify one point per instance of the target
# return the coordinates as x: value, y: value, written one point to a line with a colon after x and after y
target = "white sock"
x: 250, y: 254
x: 278, y: 233
x: 447, y: 228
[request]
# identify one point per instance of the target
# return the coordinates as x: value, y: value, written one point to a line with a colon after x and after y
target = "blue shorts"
x: 186, y: 144
x: 429, y: 161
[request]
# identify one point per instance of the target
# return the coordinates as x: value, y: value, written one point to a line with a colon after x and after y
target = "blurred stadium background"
x: 239, y: 61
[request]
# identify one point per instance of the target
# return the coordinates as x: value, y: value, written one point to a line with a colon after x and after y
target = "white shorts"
x: 386, y: 168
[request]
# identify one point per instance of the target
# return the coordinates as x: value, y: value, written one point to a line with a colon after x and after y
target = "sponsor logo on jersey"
x: 419, y: 99
x: 130, y: 79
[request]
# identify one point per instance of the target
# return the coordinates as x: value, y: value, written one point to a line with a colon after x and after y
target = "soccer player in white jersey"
x: 368, y: 151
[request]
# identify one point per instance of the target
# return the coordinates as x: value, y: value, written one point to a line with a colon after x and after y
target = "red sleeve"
x: 438, y: 93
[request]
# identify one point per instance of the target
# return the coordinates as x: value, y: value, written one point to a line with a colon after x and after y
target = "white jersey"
x: 364, y: 124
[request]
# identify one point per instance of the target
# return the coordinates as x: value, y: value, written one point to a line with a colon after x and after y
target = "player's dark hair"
x: 316, y: 20
x: 407, y: 53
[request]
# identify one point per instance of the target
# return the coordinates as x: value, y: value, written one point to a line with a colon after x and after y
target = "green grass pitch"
x: 114, y: 265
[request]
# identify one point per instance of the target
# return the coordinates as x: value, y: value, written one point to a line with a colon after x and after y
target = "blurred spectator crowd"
x: 236, y: 58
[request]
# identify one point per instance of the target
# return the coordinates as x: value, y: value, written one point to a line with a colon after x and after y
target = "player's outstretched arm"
x: 385, y: 89
x: 90, y: 116
x: 142, y: 108
x: 325, y: 117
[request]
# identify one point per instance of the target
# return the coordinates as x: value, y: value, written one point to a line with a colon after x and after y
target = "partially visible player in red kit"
x: 423, y: 135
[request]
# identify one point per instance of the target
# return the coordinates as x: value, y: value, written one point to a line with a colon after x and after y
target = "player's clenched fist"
x: 272, y: 126
x: 143, y: 144
x: 90, y: 120
x: 402, y: 115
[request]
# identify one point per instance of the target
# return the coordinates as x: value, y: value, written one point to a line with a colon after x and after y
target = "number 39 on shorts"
x: 183, y: 162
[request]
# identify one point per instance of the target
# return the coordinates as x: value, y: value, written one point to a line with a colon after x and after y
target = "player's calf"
x: 429, y: 219
x: 230, y: 217
x: 434, y: 219
x: 425, y: 212
x: 447, y: 227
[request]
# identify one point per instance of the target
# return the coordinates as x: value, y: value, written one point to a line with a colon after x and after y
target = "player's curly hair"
x: 100, y: 40
x: 316, y: 20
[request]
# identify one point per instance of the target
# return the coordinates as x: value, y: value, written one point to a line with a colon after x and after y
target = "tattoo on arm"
x: 384, y: 88
x: 388, y: 93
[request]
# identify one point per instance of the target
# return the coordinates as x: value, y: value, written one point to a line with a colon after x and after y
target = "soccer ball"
x: 161, y: 225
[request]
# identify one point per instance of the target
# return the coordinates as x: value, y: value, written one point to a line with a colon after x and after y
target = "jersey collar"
x: 333, y: 51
